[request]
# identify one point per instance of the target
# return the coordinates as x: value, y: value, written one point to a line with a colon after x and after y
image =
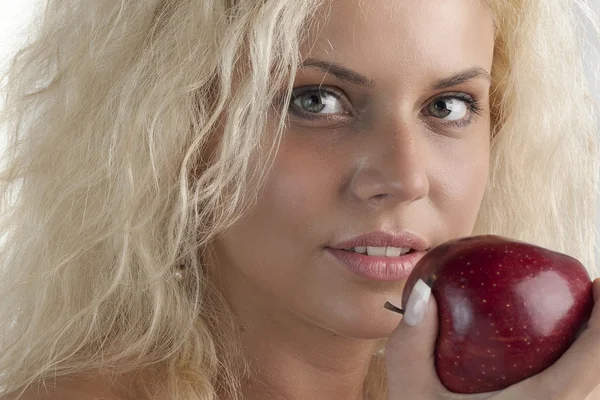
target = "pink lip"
x: 387, y: 269
x: 384, y: 239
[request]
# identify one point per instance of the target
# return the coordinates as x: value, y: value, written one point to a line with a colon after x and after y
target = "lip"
x: 375, y: 268
x: 384, y: 239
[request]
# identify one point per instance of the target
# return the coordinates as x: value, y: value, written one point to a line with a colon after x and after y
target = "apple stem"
x: 391, y: 307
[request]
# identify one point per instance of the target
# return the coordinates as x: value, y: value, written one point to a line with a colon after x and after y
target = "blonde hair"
x: 134, y: 133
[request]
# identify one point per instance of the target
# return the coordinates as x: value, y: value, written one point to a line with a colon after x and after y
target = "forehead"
x: 404, y: 36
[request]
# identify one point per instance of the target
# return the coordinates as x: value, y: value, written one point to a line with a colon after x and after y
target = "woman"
x: 192, y: 177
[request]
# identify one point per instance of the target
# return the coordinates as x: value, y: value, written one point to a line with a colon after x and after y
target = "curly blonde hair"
x: 134, y: 134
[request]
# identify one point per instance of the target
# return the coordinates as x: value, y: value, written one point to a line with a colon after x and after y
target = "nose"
x: 395, y: 170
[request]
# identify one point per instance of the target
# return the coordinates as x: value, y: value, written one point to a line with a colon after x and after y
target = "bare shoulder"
x: 595, y: 395
x: 78, y: 388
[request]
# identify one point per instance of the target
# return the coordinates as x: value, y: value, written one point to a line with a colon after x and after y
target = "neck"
x: 304, y: 365
x: 289, y: 358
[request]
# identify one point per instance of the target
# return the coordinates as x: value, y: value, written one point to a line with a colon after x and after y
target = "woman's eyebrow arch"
x: 350, y: 76
x: 462, y: 77
x: 339, y: 71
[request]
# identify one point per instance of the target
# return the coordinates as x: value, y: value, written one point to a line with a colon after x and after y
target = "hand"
x: 412, y: 374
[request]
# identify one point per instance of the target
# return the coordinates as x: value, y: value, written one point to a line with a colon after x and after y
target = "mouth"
x: 380, y: 256
x: 386, y: 251
x: 377, y: 268
x: 384, y: 244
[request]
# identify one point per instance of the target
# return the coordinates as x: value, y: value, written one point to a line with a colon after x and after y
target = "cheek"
x: 459, y: 185
x: 286, y: 223
x: 278, y: 245
x: 303, y: 182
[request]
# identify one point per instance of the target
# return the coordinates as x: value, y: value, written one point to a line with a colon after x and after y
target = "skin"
x: 380, y: 162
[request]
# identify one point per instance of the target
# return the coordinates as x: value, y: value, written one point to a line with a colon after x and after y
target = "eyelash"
x: 473, y: 105
x: 297, y: 92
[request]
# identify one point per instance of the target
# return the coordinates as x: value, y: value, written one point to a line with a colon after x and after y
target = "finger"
x: 595, y: 322
x: 410, y: 349
x: 575, y: 374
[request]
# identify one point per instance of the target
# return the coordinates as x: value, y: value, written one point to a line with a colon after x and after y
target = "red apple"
x: 507, y: 309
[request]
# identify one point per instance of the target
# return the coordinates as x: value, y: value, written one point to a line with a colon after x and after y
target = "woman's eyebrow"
x: 462, y: 77
x: 340, y: 72
x: 357, y: 78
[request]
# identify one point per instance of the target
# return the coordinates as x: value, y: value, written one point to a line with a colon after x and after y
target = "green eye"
x: 318, y: 102
x: 451, y: 109
x: 311, y: 103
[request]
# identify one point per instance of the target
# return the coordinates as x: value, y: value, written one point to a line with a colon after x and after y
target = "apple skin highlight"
x: 507, y: 309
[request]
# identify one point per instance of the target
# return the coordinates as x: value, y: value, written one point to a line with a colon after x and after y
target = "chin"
x: 371, y: 331
x: 368, y: 325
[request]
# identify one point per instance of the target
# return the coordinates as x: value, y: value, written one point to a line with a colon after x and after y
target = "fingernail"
x: 416, y: 307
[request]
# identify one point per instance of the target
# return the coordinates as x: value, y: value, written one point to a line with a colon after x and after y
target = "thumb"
x: 410, y: 349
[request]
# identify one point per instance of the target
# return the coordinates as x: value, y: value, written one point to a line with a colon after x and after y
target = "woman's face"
x: 388, y: 137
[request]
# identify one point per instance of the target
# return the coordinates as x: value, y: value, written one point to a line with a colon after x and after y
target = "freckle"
x: 462, y: 286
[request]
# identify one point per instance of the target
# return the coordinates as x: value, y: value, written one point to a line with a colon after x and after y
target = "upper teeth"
x: 381, y: 251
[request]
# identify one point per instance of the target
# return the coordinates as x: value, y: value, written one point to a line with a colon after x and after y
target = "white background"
x: 15, y: 14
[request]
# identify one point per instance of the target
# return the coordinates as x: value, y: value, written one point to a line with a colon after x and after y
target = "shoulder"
x: 595, y: 395
x: 78, y: 388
